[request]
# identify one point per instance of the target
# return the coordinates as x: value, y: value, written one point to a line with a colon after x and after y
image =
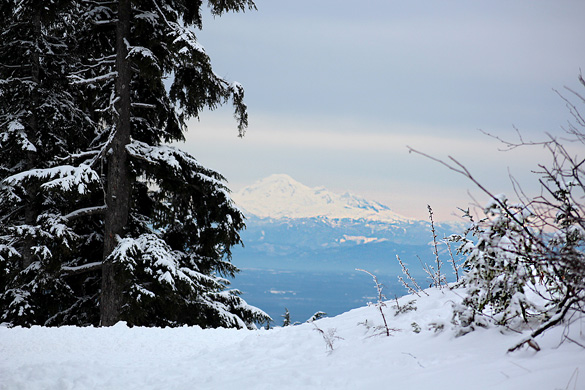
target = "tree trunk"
x: 118, y: 178
x: 30, y: 212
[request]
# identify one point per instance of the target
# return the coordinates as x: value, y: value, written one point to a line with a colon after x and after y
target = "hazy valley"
x: 302, y: 247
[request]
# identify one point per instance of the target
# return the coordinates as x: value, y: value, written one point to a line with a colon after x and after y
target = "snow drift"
x: 422, y: 353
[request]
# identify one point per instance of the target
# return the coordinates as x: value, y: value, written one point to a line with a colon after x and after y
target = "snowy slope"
x: 294, y: 357
x: 280, y: 196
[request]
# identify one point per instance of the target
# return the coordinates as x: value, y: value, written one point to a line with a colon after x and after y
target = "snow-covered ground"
x: 295, y: 357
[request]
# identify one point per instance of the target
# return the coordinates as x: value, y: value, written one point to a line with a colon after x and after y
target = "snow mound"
x: 280, y: 196
x: 421, y: 353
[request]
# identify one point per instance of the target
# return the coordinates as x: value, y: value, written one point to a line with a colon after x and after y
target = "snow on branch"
x: 53, y: 227
x: 7, y: 251
x: 144, y: 52
x: 49, y: 228
x: 571, y: 303
x: 97, y: 10
x: 82, y: 268
x: 16, y: 129
x: 144, y: 105
x: 221, y: 303
x: 171, y: 158
x: 157, y: 155
x: 65, y: 178
x: 85, y: 212
x: 153, y: 255
x: 76, y: 80
x: 189, y: 43
x: 183, y: 35
x: 148, y: 16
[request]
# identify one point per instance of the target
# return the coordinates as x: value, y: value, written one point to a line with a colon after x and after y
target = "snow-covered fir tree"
x: 286, y: 317
x: 156, y: 250
x: 42, y: 125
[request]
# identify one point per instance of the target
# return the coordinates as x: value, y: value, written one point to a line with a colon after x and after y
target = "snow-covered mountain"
x: 301, y: 243
x: 293, y: 226
x: 280, y: 196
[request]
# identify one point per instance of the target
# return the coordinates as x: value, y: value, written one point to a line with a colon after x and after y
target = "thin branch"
x: 437, y: 276
x: 381, y: 297
x: 453, y: 262
x: 406, y: 272
x: 461, y: 169
x: 97, y: 210
x: 76, y: 80
x: 556, y: 319
x: 82, y: 268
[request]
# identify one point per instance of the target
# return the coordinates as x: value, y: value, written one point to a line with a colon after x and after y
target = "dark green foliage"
x: 286, y: 318
x: 317, y: 315
x: 41, y: 126
x: 57, y: 120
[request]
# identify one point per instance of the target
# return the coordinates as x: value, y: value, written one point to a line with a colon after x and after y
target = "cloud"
x: 337, y: 89
x: 324, y: 135
x: 319, y: 152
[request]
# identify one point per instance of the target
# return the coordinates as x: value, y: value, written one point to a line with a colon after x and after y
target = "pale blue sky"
x: 337, y: 89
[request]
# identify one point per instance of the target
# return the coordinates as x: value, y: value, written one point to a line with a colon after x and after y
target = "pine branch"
x: 97, y: 210
x: 75, y: 156
x: 76, y: 80
x: 82, y: 268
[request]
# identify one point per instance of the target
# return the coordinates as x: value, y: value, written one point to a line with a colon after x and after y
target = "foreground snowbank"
x: 294, y: 357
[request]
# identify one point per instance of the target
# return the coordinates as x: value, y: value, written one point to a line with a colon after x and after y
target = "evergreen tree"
x: 41, y: 126
x: 167, y: 224
x: 286, y: 317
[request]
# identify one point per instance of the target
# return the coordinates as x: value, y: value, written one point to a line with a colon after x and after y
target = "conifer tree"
x: 164, y: 223
x: 286, y: 317
x: 41, y: 125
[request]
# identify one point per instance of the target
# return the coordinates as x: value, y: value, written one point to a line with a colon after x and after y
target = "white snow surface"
x: 280, y: 196
x: 295, y: 357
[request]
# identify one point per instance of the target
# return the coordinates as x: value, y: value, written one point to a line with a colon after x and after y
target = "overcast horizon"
x: 336, y: 92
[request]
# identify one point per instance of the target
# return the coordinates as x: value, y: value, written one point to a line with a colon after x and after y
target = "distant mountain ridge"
x: 291, y: 226
x: 302, y: 247
x: 280, y: 196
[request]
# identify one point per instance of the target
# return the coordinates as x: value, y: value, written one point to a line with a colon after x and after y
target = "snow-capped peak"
x: 280, y: 196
